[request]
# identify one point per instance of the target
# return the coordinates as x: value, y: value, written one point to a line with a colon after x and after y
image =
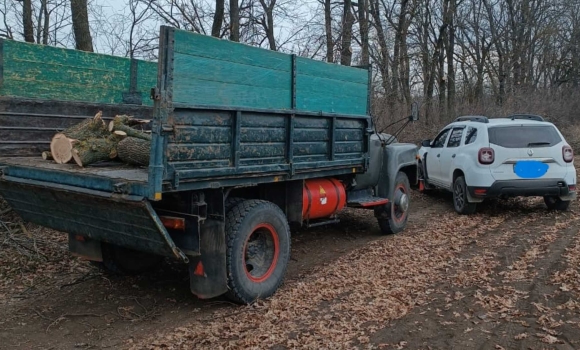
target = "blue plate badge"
x: 530, y: 169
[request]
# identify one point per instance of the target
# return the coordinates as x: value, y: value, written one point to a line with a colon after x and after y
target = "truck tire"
x: 258, y: 250
x: 393, y: 217
x: 124, y: 261
x: 555, y: 203
x: 460, y: 202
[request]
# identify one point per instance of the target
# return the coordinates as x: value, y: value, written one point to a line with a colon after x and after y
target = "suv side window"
x: 471, y: 135
x: 455, y: 138
x: 440, y: 139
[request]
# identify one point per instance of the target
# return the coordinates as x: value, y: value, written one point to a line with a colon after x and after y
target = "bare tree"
x: 346, y: 41
x: 218, y: 18
x: 234, y: 20
x: 27, y: 21
x: 80, y: 20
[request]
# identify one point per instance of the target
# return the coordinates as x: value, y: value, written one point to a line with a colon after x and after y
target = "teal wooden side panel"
x: 330, y: 88
x: 46, y: 72
x: 146, y: 80
x: 213, y: 72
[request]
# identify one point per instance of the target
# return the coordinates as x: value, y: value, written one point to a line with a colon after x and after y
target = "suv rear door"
x: 526, y: 142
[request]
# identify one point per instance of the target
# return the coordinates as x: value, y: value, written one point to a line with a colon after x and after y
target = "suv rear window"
x: 523, y: 136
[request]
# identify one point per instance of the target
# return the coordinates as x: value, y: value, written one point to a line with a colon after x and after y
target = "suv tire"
x: 555, y: 203
x: 460, y: 202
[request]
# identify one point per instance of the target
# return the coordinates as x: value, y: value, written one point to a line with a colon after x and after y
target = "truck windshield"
x: 521, y: 136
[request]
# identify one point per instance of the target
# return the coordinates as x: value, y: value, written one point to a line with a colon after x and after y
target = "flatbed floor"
x: 111, y: 170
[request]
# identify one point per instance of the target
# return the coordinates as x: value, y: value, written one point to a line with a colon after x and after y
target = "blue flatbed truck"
x: 246, y: 142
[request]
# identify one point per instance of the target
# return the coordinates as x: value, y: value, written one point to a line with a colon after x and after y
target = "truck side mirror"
x: 426, y: 143
x: 414, y: 112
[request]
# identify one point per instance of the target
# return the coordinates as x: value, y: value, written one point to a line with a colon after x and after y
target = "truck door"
x: 434, y: 156
x: 448, y: 154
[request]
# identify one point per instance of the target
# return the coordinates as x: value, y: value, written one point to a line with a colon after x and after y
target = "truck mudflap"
x: 124, y: 220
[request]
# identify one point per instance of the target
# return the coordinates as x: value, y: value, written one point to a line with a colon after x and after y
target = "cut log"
x: 124, y: 123
x: 46, y: 155
x: 134, y: 151
x: 61, y: 148
x: 95, y: 150
x: 62, y: 143
x: 120, y: 135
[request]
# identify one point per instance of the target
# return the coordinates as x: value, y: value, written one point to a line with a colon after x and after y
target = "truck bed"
x: 107, y: 176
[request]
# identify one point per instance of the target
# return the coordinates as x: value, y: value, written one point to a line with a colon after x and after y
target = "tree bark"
x: 62, y: 143
x: 347, y: 22
x: 383, y: 48
x: 94, y: 150
x: 450, y: 50
x: 363, y: 19
x: 27, y: 21
x: 134, y: 151
x: 234, y: 21
x: 218, y: 18
x: 328, y: 29
x: 123, y: 123
x: 81, y: 29
x: 268, y: 23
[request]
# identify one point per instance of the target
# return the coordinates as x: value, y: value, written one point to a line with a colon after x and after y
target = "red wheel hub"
x: 261, y: 251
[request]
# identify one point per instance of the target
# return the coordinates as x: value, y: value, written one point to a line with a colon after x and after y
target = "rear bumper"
x: 524, y: 188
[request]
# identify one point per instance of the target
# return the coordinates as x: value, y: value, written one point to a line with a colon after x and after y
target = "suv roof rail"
x: 475, y: 118
x: 526, y: 116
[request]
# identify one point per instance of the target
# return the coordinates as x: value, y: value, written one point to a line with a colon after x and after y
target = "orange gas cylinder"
x: 322, y: 198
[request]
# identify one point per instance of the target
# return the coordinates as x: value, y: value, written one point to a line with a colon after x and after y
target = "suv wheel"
x: 460, y: 203
x: 555, y: 203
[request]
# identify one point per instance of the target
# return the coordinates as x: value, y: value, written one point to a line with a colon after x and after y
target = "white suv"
x: 477, y: 158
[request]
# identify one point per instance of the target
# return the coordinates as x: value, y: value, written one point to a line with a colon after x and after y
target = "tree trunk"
x: 269, y: 23
x: 363, y: 15
x: 383, y: 48
x: 27, y: 21
x: 347, y: 22
x: 123, y: 123
x: 328, y: 29
x: 218, y: 18
x: 234, y: 21
x: 62, y: 143
x: 80, y: 21
x: 134, y: 151
x: 94, y: 150
x: 450, y: 48
x: 46, y: 26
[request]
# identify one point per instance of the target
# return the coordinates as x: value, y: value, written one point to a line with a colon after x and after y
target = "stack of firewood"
x: 94, y: 141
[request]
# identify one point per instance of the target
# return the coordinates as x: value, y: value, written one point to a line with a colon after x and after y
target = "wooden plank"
x: 146, y: 80
x: 305, y: 66
x: 263, y: 120
x: 211, y: 93
x: 201, y: 118
x: 209, y: 47
x: 188, y: 152
x: 262, y: 134
x: 200, y: 164
x: 349, y: 135
x: 201, y: 134
x: 311, y: 122
x: 348, y: 147
x: 259, y: 150
x: 261, y: 161
x: 8, y: 134
x: 303, y: 135
x: 310, y: 148
x: 200, y: 68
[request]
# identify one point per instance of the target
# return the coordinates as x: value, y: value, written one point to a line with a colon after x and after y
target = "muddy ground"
x: 505, y: 278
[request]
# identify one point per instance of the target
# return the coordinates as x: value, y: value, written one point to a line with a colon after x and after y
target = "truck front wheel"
x: 392, y: 217
x: 258, y: 250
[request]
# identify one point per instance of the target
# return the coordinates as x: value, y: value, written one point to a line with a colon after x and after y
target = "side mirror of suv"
x: 426, y: 143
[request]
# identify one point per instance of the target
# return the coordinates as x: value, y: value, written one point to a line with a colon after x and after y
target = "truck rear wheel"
x: 258, y: 250
x: 393, y: 217
x: 125, y: 261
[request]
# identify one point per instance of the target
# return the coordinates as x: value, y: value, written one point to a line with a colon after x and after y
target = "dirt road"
x: 507, y: 277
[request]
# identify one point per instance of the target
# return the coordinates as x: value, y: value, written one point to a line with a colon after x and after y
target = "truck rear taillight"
x: 173, y: 223
x: 486, y: 155
x: 567, y: 154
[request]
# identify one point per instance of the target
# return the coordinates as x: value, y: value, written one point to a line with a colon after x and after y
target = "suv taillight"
x: 486, y: 155
x: 567, y: 154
